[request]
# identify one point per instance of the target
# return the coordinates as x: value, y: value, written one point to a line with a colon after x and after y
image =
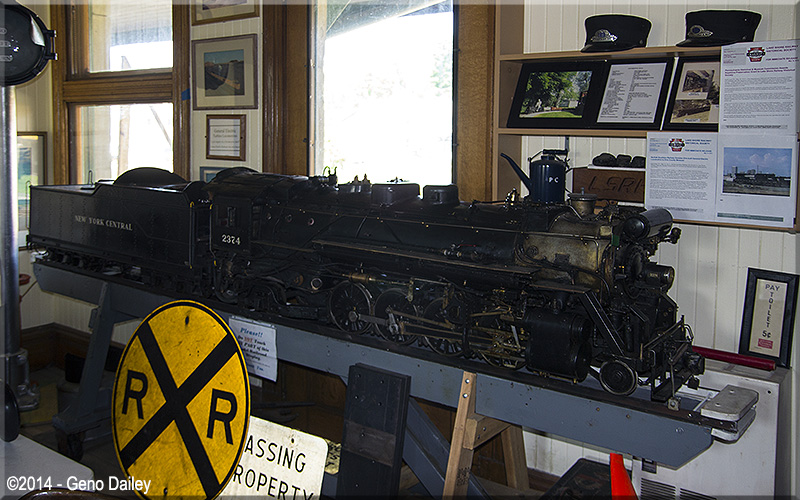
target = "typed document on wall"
x: 759, y: 87
x: 682, y: 174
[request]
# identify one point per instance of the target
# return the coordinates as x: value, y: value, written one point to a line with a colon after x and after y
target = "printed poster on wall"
x: 682, y: 174
x: 744, y: 179
x: 759, y: 87
x: 758, y: 179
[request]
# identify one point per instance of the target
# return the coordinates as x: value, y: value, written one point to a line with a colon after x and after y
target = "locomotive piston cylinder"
x: 558, y: 343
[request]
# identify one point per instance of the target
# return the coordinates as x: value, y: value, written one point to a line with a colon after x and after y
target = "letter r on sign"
x: 138, y: 395
x: 225, y: 418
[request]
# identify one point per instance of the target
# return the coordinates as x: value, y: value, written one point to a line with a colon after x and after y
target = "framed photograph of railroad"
x: 770, y: 304
x: 225, y: 73
x: 635, y: 93
x: 214, y: 11
x: 557, y: 95
x: 694, y: 99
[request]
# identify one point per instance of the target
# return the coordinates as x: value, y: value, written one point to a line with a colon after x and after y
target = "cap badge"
x: 603, y: 36
x: 698, y: 31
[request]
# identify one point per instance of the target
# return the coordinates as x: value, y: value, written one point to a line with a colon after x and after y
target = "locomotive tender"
x: 553, y: 287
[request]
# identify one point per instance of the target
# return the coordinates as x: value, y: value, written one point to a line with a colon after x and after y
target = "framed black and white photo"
x: 694, y: 99
x: 557, y: 95
x: 770, y: 304
x: 635, y: 94
x: 225, y: 137
x: 214, y: 11
x: 225, y: 73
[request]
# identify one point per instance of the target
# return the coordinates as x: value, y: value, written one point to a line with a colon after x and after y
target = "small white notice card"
x: 257, y: 341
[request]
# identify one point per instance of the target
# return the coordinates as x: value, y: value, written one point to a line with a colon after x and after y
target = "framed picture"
x: 225, y: 137
x: 213, y: 11
x: 31, y: 171
x: 207, y: 174
x: 694, y: 99
x: 557, y: 95
x: 635, y: 93
x: 225, y: 73
x: 770, y: 302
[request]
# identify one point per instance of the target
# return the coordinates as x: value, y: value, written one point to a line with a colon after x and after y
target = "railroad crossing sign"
x: 181, y: 403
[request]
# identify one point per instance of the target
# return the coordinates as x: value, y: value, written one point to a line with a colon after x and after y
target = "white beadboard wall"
x: 253, y: 123
x: 711, y: 262
x: 35, y: 114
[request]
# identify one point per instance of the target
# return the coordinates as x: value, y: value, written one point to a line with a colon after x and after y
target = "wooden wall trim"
x: 474, y: 90
x: 58, y: 15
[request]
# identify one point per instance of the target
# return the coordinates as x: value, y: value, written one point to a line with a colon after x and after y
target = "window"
x: 384, y: 90
x: 120, y: 106
x: 117, y: 138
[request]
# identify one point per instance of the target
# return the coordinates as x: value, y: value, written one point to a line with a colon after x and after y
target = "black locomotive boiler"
x: 552, y: 287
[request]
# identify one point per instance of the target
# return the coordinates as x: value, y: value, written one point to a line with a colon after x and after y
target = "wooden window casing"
x: 74, y: 86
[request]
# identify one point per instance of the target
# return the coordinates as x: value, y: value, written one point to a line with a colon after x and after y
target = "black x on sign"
x: 181, y: 403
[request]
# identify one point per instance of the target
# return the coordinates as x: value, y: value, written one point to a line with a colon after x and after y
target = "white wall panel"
x: 711, y: 262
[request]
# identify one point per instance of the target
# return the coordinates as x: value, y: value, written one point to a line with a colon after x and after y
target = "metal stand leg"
x: 84, y: 413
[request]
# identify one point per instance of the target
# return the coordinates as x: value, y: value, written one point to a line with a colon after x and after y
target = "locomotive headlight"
x: 25, y: 44
x: 657, y: 221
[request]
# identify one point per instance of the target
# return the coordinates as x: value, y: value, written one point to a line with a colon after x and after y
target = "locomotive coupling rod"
x: 601, y: 319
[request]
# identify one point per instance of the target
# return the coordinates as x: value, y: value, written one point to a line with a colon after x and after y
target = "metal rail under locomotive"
x: 557, y: 289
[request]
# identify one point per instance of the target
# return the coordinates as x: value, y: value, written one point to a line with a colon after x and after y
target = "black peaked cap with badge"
x: 613, y: 32
x: 711, y: 28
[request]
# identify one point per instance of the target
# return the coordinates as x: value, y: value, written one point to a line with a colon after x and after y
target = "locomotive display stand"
x: 632, y: 425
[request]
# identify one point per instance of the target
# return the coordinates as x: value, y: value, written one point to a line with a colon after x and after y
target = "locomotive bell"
x: 547, y: 179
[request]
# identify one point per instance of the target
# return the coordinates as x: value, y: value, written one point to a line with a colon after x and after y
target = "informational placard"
x: 258, y: 345
x: 181, y: 403
x: 225, y: 137
x: 743, y: 179
x: 759, y: 87
x: 767, y: 325
x: 632, y: 93
x: 758, y: 179
x: 682, y: 174
x: 278, y: 462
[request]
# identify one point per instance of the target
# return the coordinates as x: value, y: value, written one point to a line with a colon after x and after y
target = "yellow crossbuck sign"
x: 181, y: 402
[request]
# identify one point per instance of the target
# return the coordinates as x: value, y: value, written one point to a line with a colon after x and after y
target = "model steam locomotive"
x: 553, y: 287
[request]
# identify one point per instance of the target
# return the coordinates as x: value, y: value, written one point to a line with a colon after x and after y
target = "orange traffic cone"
x: 621, y: 486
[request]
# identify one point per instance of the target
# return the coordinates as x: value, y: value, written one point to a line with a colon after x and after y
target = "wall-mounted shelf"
x: 509, y: 60
x: 669, y: 51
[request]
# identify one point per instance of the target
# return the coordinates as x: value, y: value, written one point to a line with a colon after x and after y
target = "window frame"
x: 74, y: 86
x: 472, y: 93
x: 314, y: 142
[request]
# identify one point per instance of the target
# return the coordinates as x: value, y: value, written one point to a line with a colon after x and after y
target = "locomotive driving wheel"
x: 387, y: 306
x: 439, y: 319
x: 504, y: 351
x: 347, y: 304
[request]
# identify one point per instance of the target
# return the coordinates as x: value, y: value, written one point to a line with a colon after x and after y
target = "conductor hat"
x: 612, y: 32
x: 710, y: 28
